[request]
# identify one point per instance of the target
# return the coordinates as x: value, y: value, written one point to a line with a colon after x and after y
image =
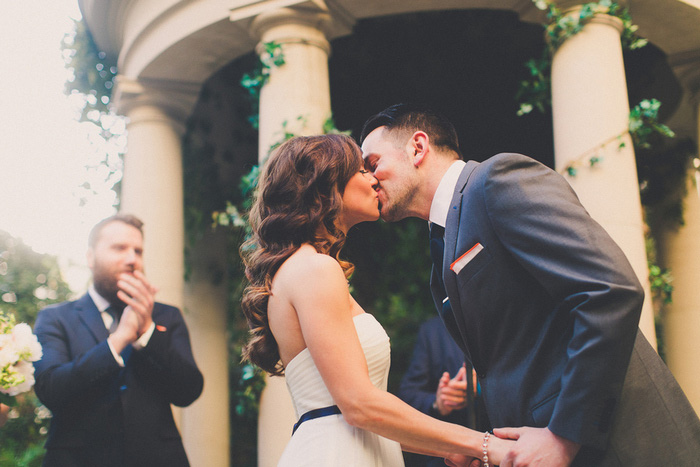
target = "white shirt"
x: 443, y: 195
x: 102, y: 304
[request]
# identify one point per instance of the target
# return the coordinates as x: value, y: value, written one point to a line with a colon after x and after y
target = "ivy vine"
x: 253, y: 82
x: 535, y: 92
x: 643, y: 124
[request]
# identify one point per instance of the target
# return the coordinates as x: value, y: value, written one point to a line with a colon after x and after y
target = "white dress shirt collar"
x: 100, y: 302
x: 443, y: 195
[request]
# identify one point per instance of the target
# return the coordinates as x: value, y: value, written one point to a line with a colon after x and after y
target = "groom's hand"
x: 537, y: 447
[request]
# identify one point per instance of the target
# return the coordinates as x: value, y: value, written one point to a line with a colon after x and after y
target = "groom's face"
x: 386, y: 156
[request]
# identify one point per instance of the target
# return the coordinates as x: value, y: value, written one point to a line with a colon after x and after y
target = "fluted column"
x: 152, y: 189
x: 297, y: 95
x: 296, y: 99
x: 590, y: 107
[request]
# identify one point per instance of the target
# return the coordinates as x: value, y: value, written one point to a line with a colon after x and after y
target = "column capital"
x: 293, y: 26
x: 173, y: 100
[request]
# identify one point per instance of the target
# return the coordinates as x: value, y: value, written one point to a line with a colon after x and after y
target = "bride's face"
x: 360, y: 200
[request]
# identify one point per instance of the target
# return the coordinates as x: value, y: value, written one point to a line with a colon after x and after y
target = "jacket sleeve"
x: 62, y: 380
x: 540, y: 221
x: 167, y: 362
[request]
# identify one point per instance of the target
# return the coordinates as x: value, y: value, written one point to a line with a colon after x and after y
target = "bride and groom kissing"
x: 541, y: 300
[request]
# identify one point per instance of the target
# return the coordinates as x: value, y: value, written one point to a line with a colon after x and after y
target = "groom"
x: 541, y: 300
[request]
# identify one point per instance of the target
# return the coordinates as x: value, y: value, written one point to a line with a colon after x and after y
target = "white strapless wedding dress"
x: 329, y: 441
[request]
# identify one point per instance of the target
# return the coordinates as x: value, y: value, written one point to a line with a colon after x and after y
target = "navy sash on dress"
x: 316, y: 413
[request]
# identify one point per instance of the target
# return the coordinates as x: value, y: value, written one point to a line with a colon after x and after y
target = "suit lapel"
x: 90, y: 316
x: 451, y: 234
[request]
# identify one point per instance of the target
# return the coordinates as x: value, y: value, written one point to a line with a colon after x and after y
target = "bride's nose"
x: 373, y: 181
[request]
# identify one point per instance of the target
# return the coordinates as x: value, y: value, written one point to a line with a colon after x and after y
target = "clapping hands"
x: 452, y: 393
x: 139, y: 296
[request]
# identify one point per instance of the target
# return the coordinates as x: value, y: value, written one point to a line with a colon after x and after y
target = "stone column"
x: 207, y: 421
x: 297, y: 95
x: 152, y: 189
x: 590, y: 107
x: 681, y: 253
x: 295, y: 99
x: 679, y: 250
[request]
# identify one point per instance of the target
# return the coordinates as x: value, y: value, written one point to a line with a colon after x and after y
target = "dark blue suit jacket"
x: 547, y: 310
x: 107, y: 415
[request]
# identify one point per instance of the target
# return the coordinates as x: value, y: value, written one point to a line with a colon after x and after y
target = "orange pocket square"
x: 463, y: 260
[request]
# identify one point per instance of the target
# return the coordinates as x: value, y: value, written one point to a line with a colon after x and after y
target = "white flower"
x: 26, y: 371
x: 8, y: 351
x: 18, y: 348
x: 19, y: 378
x: 26, y: 343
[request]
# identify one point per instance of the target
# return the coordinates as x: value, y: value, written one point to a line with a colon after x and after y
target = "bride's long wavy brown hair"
x: 298, y: 201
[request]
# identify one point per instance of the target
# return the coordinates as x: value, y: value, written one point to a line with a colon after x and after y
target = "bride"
x: 305, y: 324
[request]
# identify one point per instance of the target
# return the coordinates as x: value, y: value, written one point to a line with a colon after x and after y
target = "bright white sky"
x: 44, y: 151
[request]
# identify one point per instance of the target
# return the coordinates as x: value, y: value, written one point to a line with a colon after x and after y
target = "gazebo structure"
x: 168, y: 50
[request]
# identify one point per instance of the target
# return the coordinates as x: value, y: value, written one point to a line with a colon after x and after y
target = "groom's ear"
x: 419, y: 144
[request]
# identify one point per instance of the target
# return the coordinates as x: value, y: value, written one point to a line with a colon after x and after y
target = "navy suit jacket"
x: 547, y: 311
x: 104, y: 414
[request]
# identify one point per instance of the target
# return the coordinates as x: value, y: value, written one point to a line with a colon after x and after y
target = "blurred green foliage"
x: 29, y: 281
x: 94, y: 72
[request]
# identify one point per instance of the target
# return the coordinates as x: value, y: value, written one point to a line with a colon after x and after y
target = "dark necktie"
x: 115, y: 312
x: 437, y: 250
x: 437, y: 254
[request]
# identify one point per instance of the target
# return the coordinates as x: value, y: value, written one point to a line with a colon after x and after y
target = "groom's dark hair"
x: 412, y: 118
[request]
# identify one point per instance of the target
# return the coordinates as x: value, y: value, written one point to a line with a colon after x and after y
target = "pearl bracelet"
x: 485, y: 449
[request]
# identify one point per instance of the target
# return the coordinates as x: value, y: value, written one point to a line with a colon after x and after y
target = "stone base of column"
x: 276, y: 420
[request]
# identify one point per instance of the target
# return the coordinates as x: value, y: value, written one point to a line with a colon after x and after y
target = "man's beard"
x: 397, y: 209
x: 390, y: 214
x: 106, y: 286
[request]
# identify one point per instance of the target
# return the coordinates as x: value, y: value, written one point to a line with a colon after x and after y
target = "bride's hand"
x: 498, y: 448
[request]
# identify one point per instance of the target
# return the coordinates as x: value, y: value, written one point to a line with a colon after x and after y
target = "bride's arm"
x: 319, y: 293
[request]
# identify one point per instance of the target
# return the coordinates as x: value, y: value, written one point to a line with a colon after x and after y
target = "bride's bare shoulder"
x: 306, y: 264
